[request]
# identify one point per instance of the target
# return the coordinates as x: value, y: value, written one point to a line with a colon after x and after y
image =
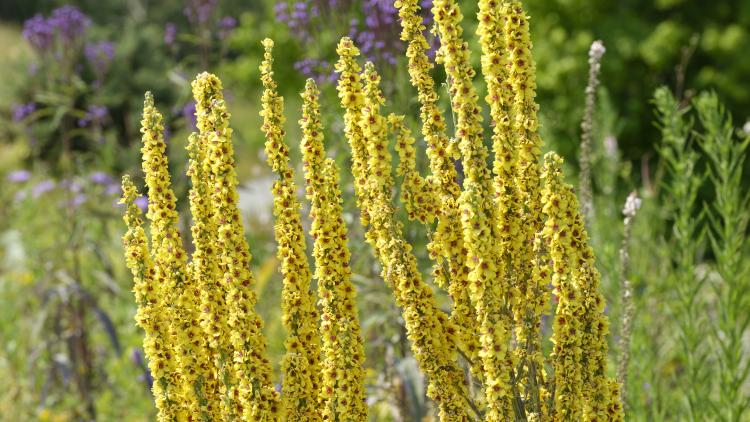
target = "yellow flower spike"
x: 446, y: 246
x: 301, y: 364
x: 516, y: 236
x: 342, y: 392
x: 349, y: 89
x: 583, y: 391
x: 490, y: 287
x: 524, y: 123
x: 205, y: 272
x: 254, y: 393
x: 157, y: 342
x: 171, y: 271
x: 418, y: 194
x: 429, y: 330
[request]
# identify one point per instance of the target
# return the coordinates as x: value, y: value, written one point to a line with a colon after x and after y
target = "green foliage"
x: 645, y: 41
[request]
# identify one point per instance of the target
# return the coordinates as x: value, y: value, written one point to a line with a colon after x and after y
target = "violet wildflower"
x: 101, y: 178
x: 18, y: 176
x: 188, y: 112
x: 100, y: 55
x: 78, y: 200
x: 42, y: 187
x: 226, y: 27
x: 199, y: 12
x: 69, y: 23
x: 39, y: 33
x: 113, y: 189
x: 96, y: 115
x: 170, y: 34
x: 142, y: 202
x: 21, y: 111
x: 71, y: 185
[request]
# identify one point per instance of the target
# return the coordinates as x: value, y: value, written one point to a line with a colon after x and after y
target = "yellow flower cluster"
x: 350, y: 94
x: 418, y: 194
x: 497, y: 242
x: 446, y: 247
x: 583, y: 391
x: 431, y: 334
x: 301, y: 366
x: 150, y: 315
x: 254, y: 395
x: 489, y: 287
x: 171, y: 271
x: 342, y: 393
x: 507, y: 67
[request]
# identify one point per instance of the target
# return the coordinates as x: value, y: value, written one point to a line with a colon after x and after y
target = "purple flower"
x: 21, y: 111
x: 71, y: 185
x: 78, y: 200
x: 226, y: 27
x: 100, y: 56
x: 42, y: 187
x: 39, y: 33
x: 19, y: 176
x: 113, y: 189
x: 170, y: 34
x: 188, y: 112
x: 96, y: 114
x: 101, y: 178
x: 69, y: 22
x: 141, y: 202
x: 198, y: 12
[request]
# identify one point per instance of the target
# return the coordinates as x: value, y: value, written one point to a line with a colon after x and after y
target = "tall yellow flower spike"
x: 516, y: 235
x: 179, y: 293
x: 431, y: 334
x: 342, y: 393
x: 255, y: 396
x: 349, y: 88
x: 204, y: 269
x: 301, y: 366
x: 447, y: 246
x: 157, y: 345
x: 489, y: 288
x: 583, y: 391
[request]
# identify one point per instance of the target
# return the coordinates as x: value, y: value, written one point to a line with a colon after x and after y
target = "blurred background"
x: 73, y: 78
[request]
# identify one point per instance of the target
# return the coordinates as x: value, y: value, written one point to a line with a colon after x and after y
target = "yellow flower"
x: 301, y: 366
x: 342, y: 391
x: 431, y: 334
x: 256, y: 398
x: 489, y: 283
x: 157, y: 345
x: 446, y: 246
x: 583, y: 391
x: 178, y: 292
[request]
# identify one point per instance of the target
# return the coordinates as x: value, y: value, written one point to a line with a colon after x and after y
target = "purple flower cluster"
x: 21, y: 111
x: 298, y: 17
x: 100, y: 55
x: 39, y: 33
x: 373, y: 24
x: 19, y: 176
x: 226, y: 27
x: 96, y: 114
x: 188, y: 113
x: 199, y: 12
x: 170, y: 34
x: 66, y: 24
x: 378, y: 38
x: 320, y: 70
